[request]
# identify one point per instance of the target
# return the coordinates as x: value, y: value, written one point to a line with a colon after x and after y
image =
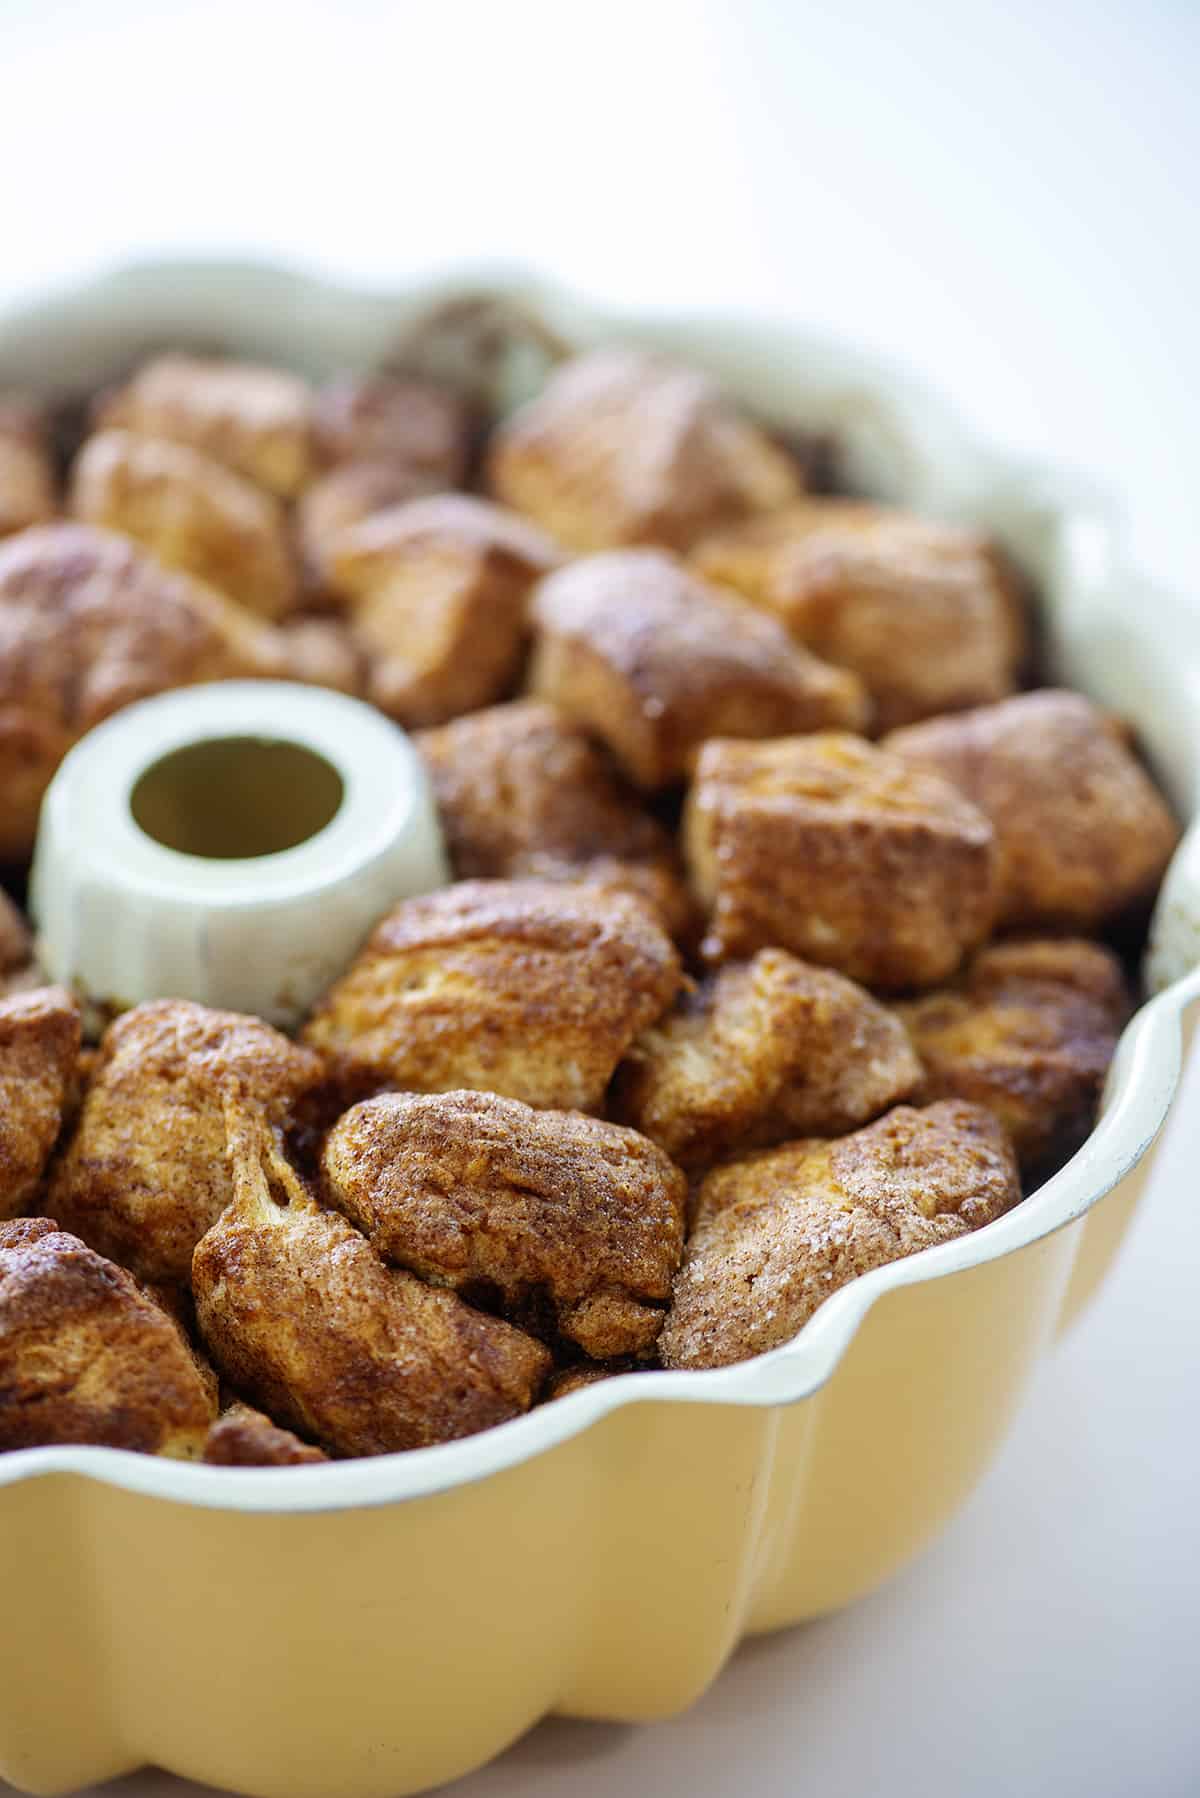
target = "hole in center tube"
x: 234, y: 798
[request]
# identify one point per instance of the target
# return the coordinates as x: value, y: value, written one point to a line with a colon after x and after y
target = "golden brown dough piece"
x: 324, y: 652
x: 1082, y: 831
x: 1028, y: 1031
x: 16, y: 938
x: 256, y: 420
x: 776, y: 1234
x: 86, y: 1356
x: 486, y: 1196
x: 401, y: 420
x: 439, y: 594
x: 300, y: 1313
x: 586, y: 1373
x: 244, y: 1437
x: 521, y: 791
x: 88, y: 623
x: 342, y: 498
x: 759, y: 1052
x: 843, y: 854
x: 27, y: 487
x: 925, y: 613
x: 191, y: 513
x: 626, y: 446
x: 145, y: 1173
x: 653, y: 661
x: 530, y: 988
x: 39, y: 1065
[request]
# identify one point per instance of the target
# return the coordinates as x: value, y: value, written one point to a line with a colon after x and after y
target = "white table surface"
x: 1002, y: 196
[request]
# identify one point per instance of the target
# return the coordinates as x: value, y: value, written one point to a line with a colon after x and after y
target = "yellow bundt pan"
x: 374, y: 1628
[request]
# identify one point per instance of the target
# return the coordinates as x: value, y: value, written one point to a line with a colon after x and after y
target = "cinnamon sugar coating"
x: 27, y: 485
x: 255, y: 419
x: 927, y: 614
x: 521, y: 791
x: 1028, y: 1030
x: 484, y: 1195
x: 86, y: 1356
x: 145, y: 1173
x: 39, y: 1067
x: 653, y: 662
x: 529, y: 988
x: 191, y: 513
x: 299, y: 1312
x: 1083, y: 833
x: 777, y: 1233
x: 840, y: 853
x: 89, y: 622
x: 244, y: 1437
x: 438, y: 592
x: 626, y: 446
x: 762, y: 1051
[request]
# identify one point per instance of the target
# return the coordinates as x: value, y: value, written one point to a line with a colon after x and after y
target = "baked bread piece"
x: 86, y: 1356
x: 586, y: 1373
x: 39, y: 1066
x: 761, y: 1051
x: 145, y: 1174
x: 438, y: 590
x: 777, y: 1233
x: 626, y: 446
x: 16, y: 938
x: 925, y: 613
x: 324, y: 652
x: 521, y: 791
x: 88, y: 623
x: 1083, y: 833
x: 342, y: 498
x: 300, y: 1313
x: 27, y: 486
x: 843, y: 854
x: 255, y: 419
x: 244, y: 1437
x: 529, y: 988
x: 1028, y: 1031
x: 484, y: 1195
x: 403, y: 421
x: 191, y: 513
x: 653, y: 661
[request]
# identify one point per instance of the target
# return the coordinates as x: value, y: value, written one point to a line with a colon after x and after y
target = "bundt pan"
x: 376, y: 1627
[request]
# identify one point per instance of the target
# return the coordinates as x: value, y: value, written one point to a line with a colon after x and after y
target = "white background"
x: 1003, y: 196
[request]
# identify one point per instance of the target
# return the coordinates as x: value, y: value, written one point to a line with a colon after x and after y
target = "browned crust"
x: 401, y: 421
x: 145, y: 1173
x: 300, y: 1313
x: 255, y: 419
x: 244, y: 1437
x: 1082, y: 832
x: 1029, y: 1031
x: 625, y: 446
x: 533, y: 989
x: 759, y: 1052
x: 28, y: 493
x: 483, y: 1194
x: 39, y: 1065
x: 191, y: 513
x: 777, y: 1233
x: 652, y: 661
x: 840, y: 853
x: 927, y: 614
x: 438, y: 590
x: 90, y: 623
x: 521, y: 791
x: 86, y: 1356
